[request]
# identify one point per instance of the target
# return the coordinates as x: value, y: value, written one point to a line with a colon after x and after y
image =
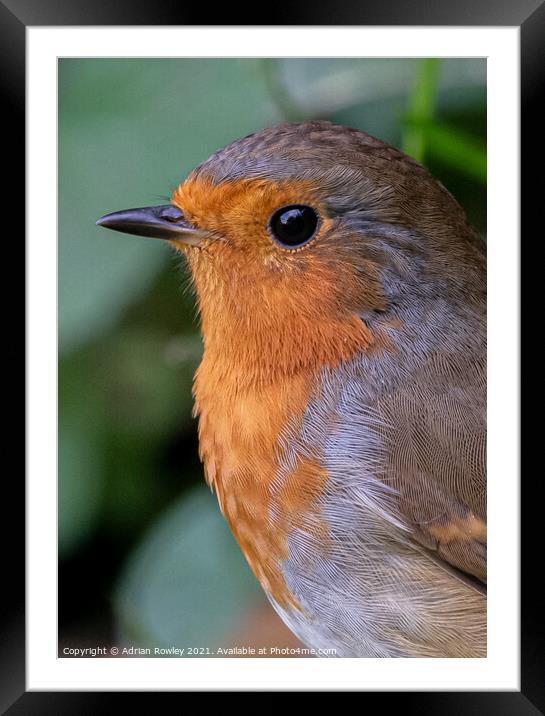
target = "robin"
x: 342, y: 391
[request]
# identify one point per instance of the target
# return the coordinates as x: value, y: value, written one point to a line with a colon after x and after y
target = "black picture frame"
x: 15, y: 16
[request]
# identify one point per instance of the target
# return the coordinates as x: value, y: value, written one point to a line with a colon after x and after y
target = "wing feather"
x: 436, y: 458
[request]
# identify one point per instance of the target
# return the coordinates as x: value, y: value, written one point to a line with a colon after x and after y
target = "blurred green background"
x: 144, y: 555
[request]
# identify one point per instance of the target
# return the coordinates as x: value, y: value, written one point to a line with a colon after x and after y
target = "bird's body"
x: 342, y: 395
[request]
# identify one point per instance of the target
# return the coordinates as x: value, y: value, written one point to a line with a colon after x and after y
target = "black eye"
x: 293, y: 226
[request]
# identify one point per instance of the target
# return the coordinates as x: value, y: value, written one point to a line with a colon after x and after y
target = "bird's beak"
x: 158, y: 222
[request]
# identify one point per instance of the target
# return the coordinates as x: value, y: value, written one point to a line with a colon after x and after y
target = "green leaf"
x: 187, y: 583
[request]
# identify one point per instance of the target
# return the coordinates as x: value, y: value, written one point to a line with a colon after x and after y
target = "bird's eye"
x: 293, y: 226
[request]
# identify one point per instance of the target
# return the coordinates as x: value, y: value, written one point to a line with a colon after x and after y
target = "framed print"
x: 328, y: 186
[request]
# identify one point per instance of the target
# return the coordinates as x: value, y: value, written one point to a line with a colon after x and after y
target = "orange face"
x: 301, y: 303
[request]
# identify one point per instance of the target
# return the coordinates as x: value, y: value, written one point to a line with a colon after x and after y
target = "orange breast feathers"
x: 240, y: 446
x: 271, y: 321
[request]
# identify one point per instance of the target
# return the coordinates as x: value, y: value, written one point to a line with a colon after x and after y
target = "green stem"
x: 421, y: 108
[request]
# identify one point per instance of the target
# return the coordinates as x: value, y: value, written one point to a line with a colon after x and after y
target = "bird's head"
x: 299, y: 236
